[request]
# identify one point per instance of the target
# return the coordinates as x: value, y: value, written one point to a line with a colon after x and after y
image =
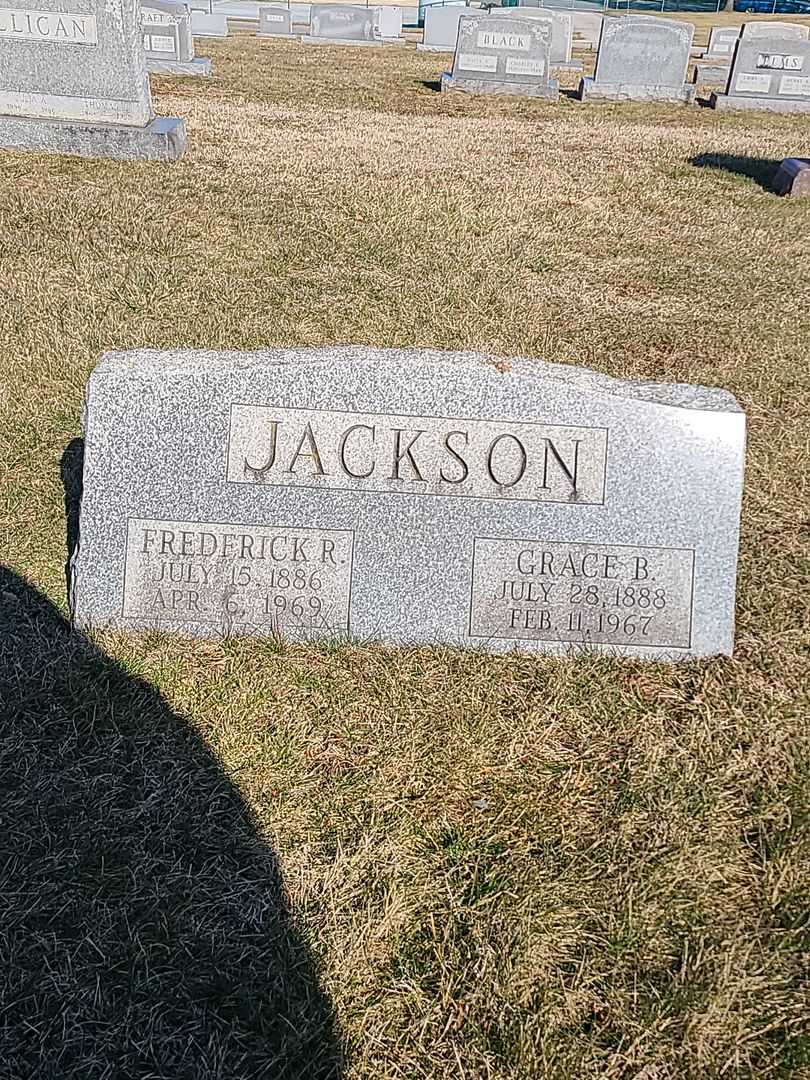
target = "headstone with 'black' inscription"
x: 496, y: 54
x: 75, y: 82
x: 408, y: 497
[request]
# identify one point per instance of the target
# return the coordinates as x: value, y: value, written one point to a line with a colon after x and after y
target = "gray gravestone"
x: 388, y: 25
x: 561, y: 32
x: 76, y: 83
x: 441, y: 28
x: 710, y: 74
x: 341, y: 24
x: 499, y: 55
x: 722, y: 40
x: 408, y: 497
x: 771, y: 74
x: 586, y: 28
x: 641, y: 58
x: 769, y: 29
x: 275, y: 22
x: 167, y: 39
x: 205, y: 25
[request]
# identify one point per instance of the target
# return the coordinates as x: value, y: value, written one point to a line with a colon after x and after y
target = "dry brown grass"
x: 501, y: 867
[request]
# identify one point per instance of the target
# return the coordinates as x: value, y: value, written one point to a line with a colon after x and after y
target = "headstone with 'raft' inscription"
x: 75, y: 82
x: 408, y: 497
x: 167, y: 39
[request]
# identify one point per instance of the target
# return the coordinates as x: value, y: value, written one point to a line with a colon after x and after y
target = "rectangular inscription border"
x: 240, y: 525
x: 579, y: 543
x: 431, y: 416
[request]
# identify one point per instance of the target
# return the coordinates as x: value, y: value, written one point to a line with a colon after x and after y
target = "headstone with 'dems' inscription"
x: 408, y: 497
x: 499, y: 55
x: 770, y: 74
x: 167, y: 39
x: 75, y: 82
x: 641, y: 58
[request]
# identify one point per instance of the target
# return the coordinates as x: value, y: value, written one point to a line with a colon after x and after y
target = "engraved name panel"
x: 430, y: 455
x: 57, y: 27
x: 607, y: 594
x: 238, y: 578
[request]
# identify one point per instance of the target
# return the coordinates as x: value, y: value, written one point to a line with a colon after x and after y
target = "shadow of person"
x: 145, y: 931
x: 762, y: 170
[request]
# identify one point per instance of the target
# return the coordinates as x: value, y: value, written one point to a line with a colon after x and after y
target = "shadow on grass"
x: 144, y: 929
x: 433, y: 84
x: 762, y: 170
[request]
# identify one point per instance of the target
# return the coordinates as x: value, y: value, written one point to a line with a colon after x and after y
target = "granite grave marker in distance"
x: 208, y: 24
x: 341, y: 24
x: 770, y: 74
x: 275, y: 21
x: 408, y: 496
x: 502, y: 55
x: 641, y: 58
x: 167, y: 39
x: 388, y: 24
x: 722, y: 40
x: 768, y: 28
x: 75, y: 82
x: 441, y: 28
x: 561, y: 32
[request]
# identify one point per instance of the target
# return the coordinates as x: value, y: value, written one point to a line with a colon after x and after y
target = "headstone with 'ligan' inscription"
x: 408, y: 497
x: 496, y: 54
x: 75, y: 82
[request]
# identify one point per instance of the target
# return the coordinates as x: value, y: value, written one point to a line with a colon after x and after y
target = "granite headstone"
x: 561, y: 32
x: 75, y: 82
x: 214, y: 25
x: 496, y: 54
x: 441, y: 27
x: 793, y: 177
x: 722, y: 40
x: 341, y: 24
x: 641, y: 58
x: 770, y: 74
x: 408, y: 497
x: 167, y: 39
x: 388, y: 24
x: 768, y: 28
x: 275, y: 21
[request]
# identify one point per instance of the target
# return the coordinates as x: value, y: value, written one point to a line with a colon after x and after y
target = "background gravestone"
x: 722, y: 40
x: 275, y: 21
x: 502, y: 55
x: 388, y: 24
x: 586, y: 28
x: 341, y: 24
x: 408, y: 496
x: 641, y: 58
x: 441, y: 27
x: 167, y: 39
x: 208, y: 24
x: 771, y: 74
x: 774, y: 29
x: 561, y: 33
x: 77, y: 83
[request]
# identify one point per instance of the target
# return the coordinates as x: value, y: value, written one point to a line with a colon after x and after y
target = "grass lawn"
x: 246, y: 860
